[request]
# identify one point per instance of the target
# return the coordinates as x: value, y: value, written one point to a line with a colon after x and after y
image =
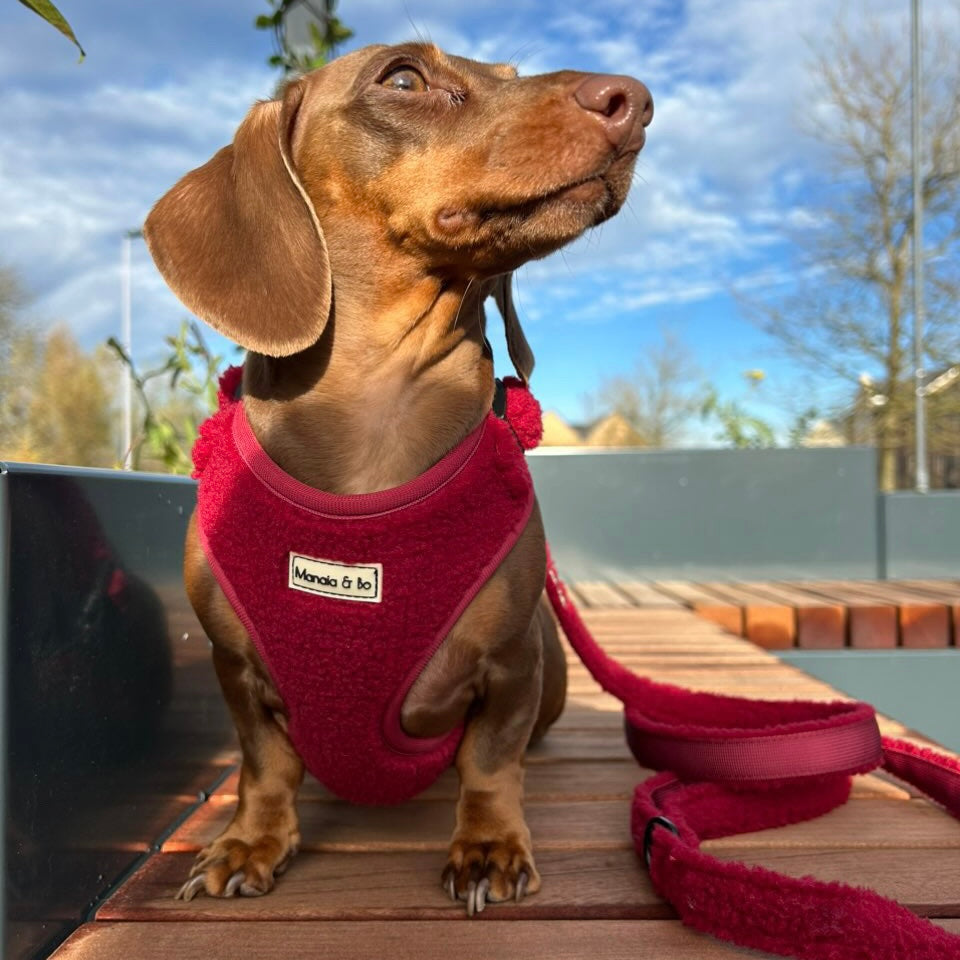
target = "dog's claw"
x: 191, y: 888
x: 472, y: 898
x: 481, y: 894
x: 522, y: 882
x: 233, y: 884
x: 450, y: 884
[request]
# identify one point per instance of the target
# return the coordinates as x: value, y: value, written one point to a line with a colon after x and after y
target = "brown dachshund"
x: 348, y: 239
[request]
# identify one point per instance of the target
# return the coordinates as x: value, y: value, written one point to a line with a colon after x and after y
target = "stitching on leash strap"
x: 736, y: 765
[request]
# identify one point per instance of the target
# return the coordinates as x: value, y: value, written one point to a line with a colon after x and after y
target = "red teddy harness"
x: 738, y: 765
x: 347, y: 597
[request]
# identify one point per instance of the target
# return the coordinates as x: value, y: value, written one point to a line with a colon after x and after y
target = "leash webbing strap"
x: 737, y: 765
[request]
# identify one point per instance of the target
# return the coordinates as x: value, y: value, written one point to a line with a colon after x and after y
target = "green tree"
x: 737, y: 426
x: 323, y: 40
x: 173, y: 398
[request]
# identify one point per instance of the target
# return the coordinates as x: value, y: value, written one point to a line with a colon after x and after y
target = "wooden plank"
x: 924, y: 623
x: 646, y: 595
x: 659, y: 622
x: 946, y: 592
x: 669, y: 653
x: 596, y: 593
x: 871, y: 623
x: 588, y: 709
x: 862, y: 823
x: 583, y: 745
x: 566, y: 779
x: 600, y: 885
x: 577, y: 780
x: 420, y: 825
x: 427, y: 825
x: 758, y: 682
x: 727, y: 615
x: 484, y: 937
x: 821, y: 624
x: 927, y: 883
x: 397, y: 886
x: 767, y: 623
x: 671, y: 626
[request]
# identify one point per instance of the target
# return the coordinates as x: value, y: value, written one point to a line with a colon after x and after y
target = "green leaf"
x: 46, y: 9
x: 337, y: 33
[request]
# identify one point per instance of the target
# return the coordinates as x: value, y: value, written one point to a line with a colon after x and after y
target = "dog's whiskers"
x: 466, y: 290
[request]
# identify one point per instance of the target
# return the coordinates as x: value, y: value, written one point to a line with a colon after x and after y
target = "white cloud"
x: 82, y: 156
x: 76, y: 172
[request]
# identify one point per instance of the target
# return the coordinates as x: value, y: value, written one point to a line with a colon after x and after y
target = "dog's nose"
x: 624, y: 106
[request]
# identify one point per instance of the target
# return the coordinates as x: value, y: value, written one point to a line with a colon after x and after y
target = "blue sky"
x: 86, y: 149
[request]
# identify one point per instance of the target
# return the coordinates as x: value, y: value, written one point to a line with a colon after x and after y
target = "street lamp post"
x: 922, y: 480
x: 126, y: 336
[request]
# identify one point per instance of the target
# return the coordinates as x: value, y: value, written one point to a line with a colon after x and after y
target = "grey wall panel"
x: 114, y: 716
x: 916, y: 687
x: 5, y: 937
x: 710, y: 513
x: 922, y: 534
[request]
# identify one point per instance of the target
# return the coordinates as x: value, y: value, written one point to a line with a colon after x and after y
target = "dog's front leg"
x: 491, y: 855
x: 264, y: 833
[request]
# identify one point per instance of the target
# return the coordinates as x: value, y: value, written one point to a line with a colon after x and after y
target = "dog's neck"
x: 381, y: 397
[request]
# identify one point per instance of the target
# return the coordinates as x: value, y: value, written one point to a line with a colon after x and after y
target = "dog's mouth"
x: 587, y: 192
x: 588, y: 201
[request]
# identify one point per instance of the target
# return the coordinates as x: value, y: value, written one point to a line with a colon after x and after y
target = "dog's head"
x: 462, y: 168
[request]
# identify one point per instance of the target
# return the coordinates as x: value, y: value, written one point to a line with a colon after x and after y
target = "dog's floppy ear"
x: 520, y: 353
x: 238, y: 241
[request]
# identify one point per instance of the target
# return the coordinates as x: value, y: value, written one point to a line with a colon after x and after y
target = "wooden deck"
x: 813, y: 615
x: 367, y: 881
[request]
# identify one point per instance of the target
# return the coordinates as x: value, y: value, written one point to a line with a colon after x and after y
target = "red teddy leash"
x: 738, y: 765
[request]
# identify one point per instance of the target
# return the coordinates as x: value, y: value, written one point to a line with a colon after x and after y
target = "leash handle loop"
x: 739, y: 765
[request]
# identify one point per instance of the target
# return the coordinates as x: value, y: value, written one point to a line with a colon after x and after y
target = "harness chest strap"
x: 737, y: 765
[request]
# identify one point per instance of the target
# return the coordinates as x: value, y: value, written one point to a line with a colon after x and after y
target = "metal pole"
x: 922, y: 477
x: 125, y: 338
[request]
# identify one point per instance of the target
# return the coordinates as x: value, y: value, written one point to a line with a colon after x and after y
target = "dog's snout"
x: 624, y: 106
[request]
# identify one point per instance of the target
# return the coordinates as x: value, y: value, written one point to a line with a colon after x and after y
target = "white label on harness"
x: 343, y: 581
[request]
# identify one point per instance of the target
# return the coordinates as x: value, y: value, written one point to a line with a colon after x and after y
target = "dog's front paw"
x: 482, y: 871
x: 231, y: 866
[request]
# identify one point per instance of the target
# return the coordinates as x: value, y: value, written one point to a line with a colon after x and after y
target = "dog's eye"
x: 405, y: 79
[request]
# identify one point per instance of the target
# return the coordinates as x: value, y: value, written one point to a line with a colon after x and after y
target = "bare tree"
x: 18, y: 347
x: 12, y: 298
x: 660, y: 397
x: 851, y: 309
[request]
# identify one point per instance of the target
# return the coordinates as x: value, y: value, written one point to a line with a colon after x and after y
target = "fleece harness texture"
x: 347, y: 597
